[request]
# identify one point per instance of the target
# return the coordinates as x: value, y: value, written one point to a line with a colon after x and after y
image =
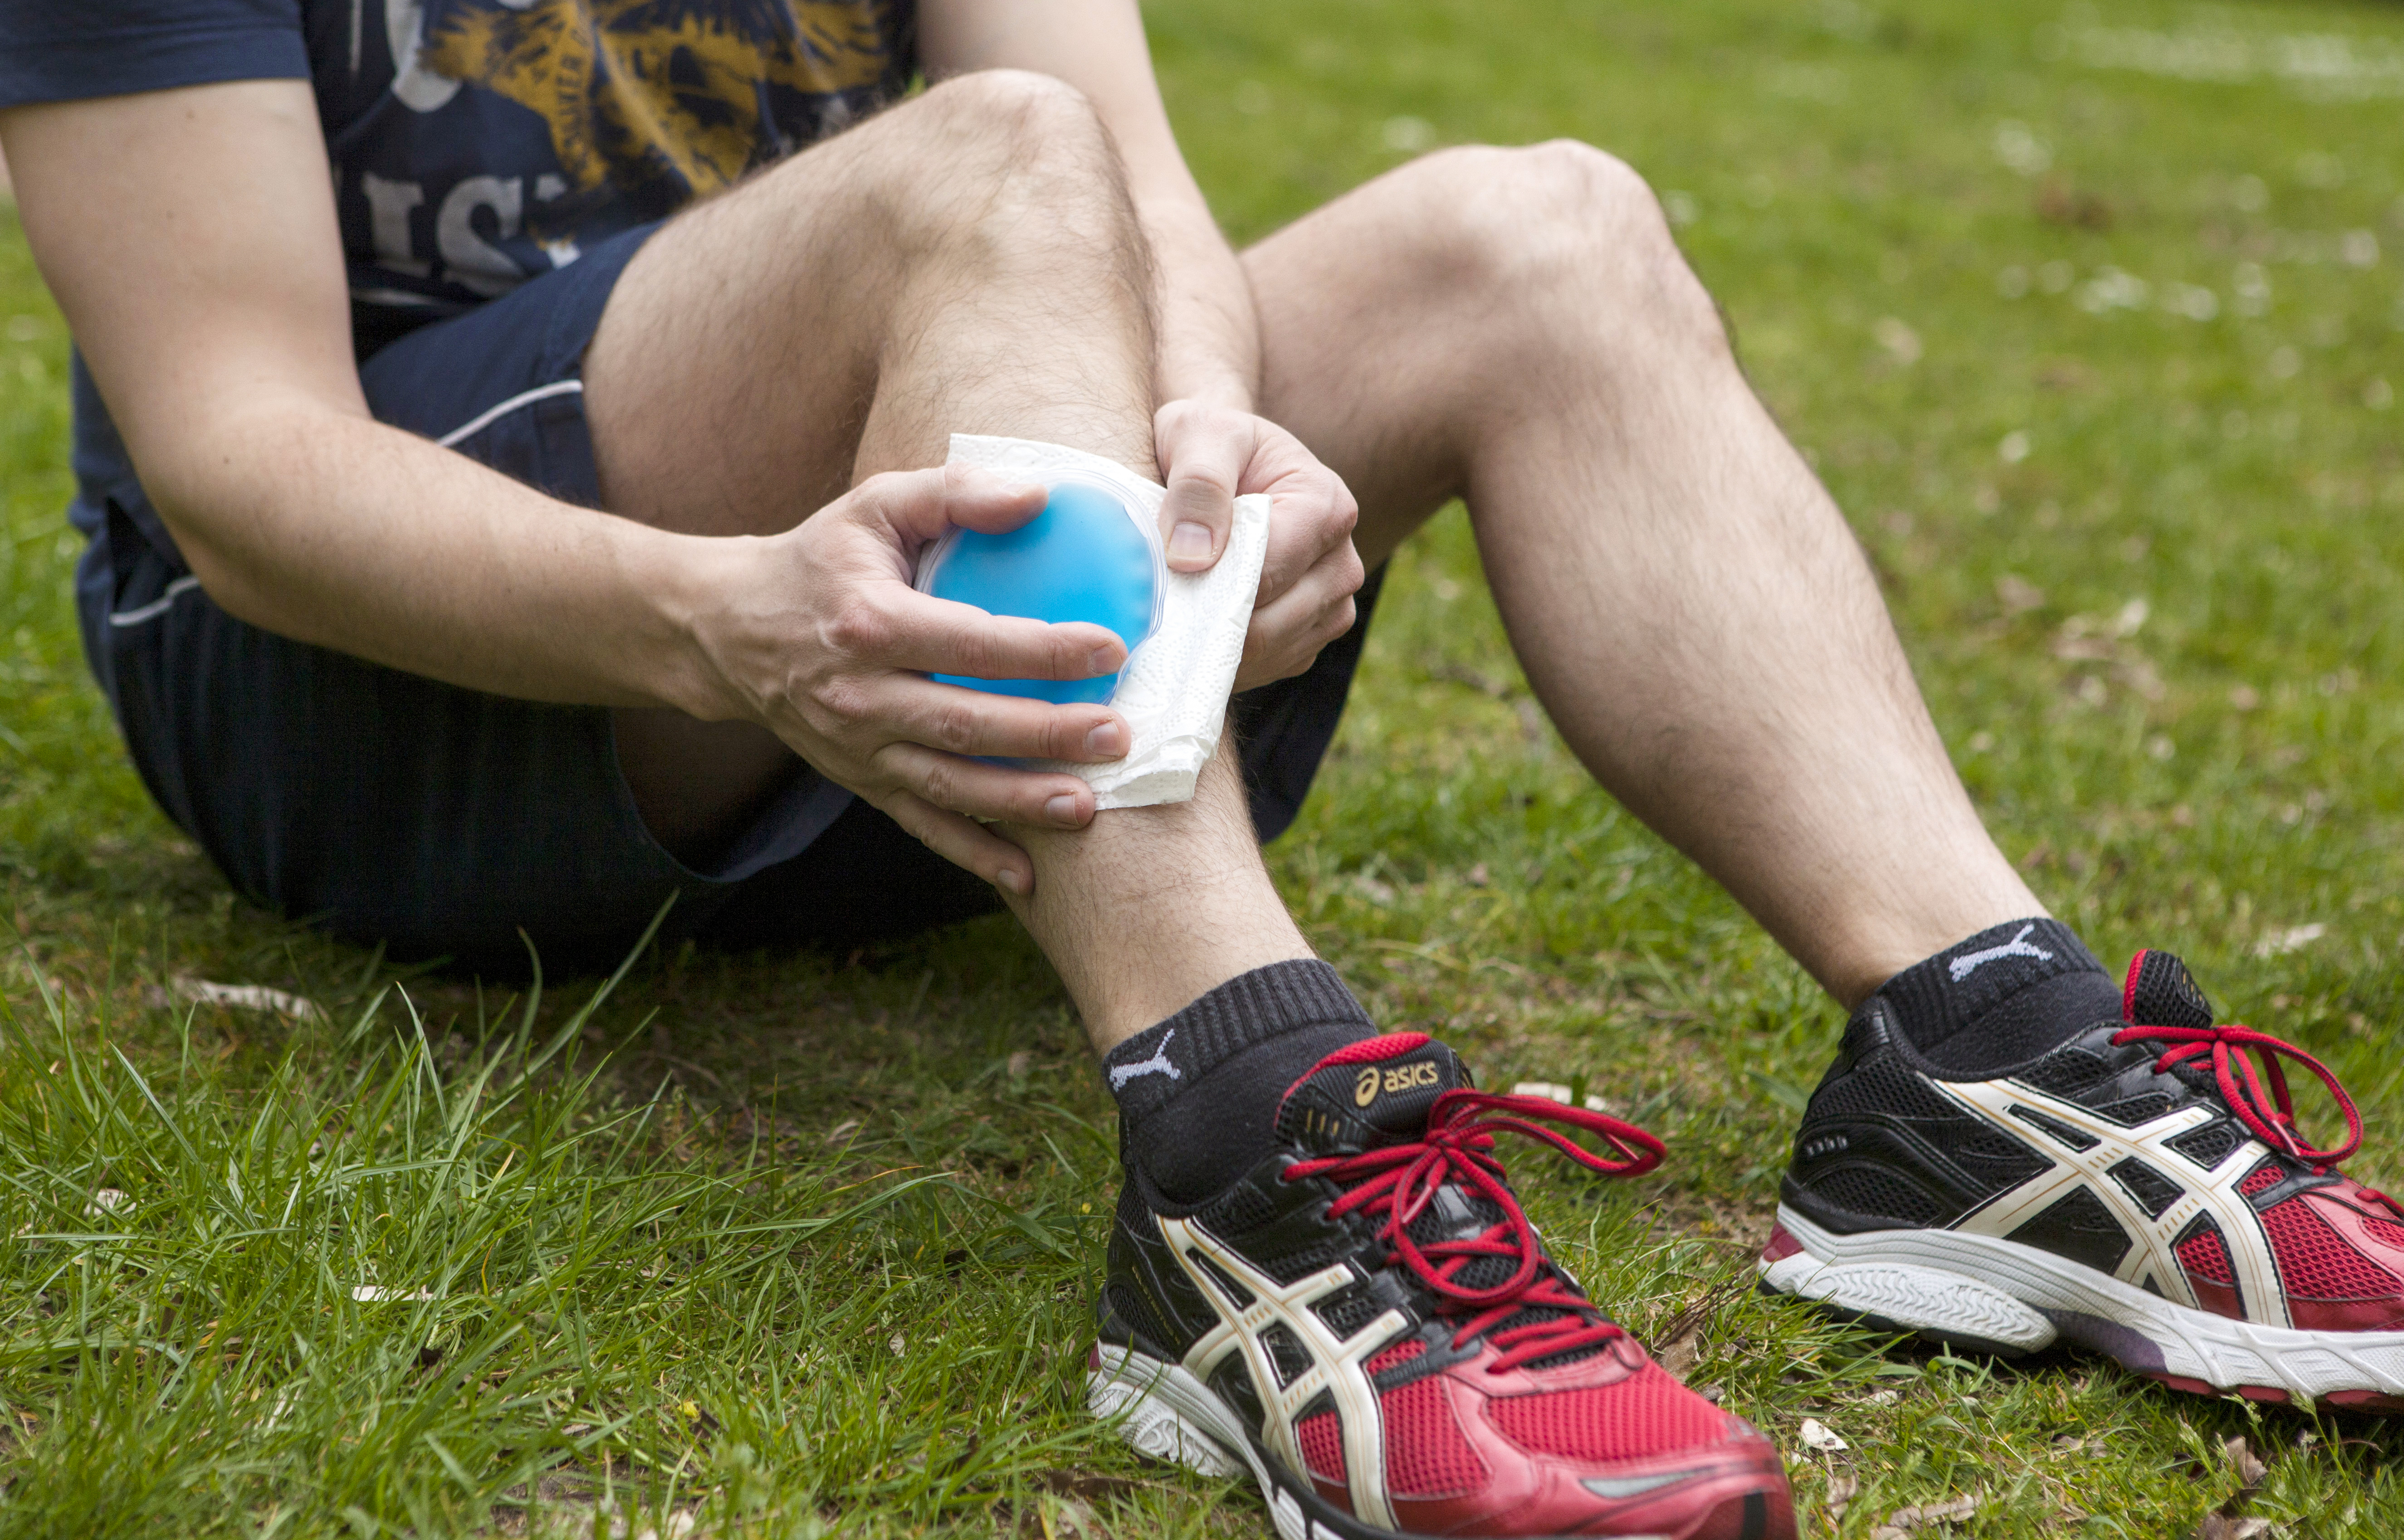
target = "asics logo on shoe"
x: 1373, y: 1082
x: 1970, y: 963
x: 1157, y: 1064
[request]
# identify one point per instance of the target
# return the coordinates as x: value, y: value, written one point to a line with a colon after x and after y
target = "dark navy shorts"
x: 441, y: 821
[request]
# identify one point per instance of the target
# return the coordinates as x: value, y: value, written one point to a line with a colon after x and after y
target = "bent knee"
x: 1559, y: 223
x: 1014, y: 116
x: 989, y: 149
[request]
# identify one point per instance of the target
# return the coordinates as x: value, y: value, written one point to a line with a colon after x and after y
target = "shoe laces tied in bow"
x: 2260, y: 1100
x: 1400, y: 1181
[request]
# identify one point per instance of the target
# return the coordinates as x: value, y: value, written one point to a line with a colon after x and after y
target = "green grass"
x: 806, y: 1242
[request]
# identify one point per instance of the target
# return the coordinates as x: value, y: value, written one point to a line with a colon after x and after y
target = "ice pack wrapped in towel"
x: 1174, y: 687
x: 1089, y: 556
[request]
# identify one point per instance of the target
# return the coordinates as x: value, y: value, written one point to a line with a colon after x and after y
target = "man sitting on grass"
x: 503, y: 454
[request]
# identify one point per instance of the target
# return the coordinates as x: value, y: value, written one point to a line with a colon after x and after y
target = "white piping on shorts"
x: 522, y: 398
x: 485, y: 418
x: 158, y: 606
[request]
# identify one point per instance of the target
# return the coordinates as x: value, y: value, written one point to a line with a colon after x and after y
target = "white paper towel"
x: 1173, y: 691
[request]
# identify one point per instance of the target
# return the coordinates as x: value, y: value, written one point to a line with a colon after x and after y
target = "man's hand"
x: 1210, y: 457
x: 822, y: 638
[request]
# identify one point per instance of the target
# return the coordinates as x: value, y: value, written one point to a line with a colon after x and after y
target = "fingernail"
x: 1062, y: 809
x: 1103, y: 741
x: 1012, y: 878
x: 1190, y: 541
x: 1101, y: 660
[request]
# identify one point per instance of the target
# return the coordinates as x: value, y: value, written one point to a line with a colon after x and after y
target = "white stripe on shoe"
x: 1338, y: 1365
x: 2097, y: 1144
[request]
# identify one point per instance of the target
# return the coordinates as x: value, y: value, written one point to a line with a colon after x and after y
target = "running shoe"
x: 1368, y: 1325
x: 2142, y: 1190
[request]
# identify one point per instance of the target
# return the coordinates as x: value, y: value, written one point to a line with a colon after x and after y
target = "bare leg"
x: 967, y: 262
x: 1148, y: 907
x: 1516, y: 326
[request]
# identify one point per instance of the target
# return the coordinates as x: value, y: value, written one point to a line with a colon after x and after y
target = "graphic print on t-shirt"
x: 692, y: 92
x: 479, y: 143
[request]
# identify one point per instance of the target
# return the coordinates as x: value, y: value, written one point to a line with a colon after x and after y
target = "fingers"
x: 971, y: 722
x: 894, y: 627
x: 1320, y: 577
x: 1314, y: 516
x: 918, y: 505
x: 962, y: 842
x: 1271, y: 654
x: 1204, y: 454
x: 1288, y: 631
x: 994, y: 793
x: 1317, y: 608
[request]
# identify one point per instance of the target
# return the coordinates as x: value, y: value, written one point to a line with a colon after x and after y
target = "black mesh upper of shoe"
x: 1283, y: 1229
x: 1882, y: 1148
x: 1150, y: 1303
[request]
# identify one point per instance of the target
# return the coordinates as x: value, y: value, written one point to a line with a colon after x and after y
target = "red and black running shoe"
x: 1369, y: 1325
x: 2141, y: 1190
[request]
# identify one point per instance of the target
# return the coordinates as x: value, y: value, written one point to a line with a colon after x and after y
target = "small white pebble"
x: 2290, y: 937
x: 1896, y: 336
x: 204, y: 991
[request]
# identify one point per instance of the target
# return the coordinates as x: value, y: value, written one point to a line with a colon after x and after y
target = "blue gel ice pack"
x: 1083, y: 558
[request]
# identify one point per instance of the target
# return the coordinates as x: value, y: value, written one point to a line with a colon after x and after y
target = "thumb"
x: 1200, y: 507
x: 918, y: 505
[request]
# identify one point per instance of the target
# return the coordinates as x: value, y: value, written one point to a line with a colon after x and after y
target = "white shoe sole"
x: 1999, y: 1295
x: 1170, y: 1415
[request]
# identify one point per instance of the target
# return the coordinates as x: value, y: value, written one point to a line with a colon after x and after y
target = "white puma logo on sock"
x: 1157, y: 1064
x: 1962, y: 966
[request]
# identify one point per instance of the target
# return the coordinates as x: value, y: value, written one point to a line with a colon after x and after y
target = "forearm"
x: 214, y: 312
x: 1209, y: 336
x: 332, y: 529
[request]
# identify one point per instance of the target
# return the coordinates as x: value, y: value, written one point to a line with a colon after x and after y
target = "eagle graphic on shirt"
x: 657, y: 102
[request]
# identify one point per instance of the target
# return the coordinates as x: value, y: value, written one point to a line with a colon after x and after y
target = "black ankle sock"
x: 2005, y: 996
x: 1198, y: 1092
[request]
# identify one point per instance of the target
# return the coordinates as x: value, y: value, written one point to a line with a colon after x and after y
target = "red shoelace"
x: 1399, y: 1181
x: 2261, y: 1101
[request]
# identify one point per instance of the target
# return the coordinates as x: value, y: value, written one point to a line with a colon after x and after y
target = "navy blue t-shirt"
x: 477, y: 143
